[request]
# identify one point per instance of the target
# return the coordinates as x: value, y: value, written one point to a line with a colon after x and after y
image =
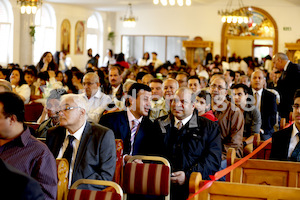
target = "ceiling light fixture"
x: 29, y: 6
x: 129, y: 20
x: 173, y: 2
x: 240, y: 15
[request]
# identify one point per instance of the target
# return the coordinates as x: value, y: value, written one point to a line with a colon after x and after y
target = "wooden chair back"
x: 63, y: 180
x: 33, y: 111
x: 237, y: 191
x: 263, y: 153
x: 119, y: 161
x: 264, y: 172
x: 79, y: 194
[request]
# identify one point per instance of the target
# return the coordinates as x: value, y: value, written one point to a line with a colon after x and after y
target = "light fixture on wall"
x: 173, y: 2
x: 129, y: 20
x: 240, y: 15
x: 29, y: 6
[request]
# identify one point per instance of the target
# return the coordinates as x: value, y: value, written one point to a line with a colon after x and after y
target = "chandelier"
x: 240, y: 15
x: 173, y: 2
x: 29, y: 6
x: 129, y: 20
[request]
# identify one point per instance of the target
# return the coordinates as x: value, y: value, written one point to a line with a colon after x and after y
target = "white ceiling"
x: 116, y: 5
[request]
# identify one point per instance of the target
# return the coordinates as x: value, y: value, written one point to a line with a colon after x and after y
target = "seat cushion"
x: 77, y: 194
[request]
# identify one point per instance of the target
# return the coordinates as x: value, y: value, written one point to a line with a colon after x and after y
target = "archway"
x: 262, y: 28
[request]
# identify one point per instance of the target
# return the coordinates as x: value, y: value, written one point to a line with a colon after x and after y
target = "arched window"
x: 94, y: 28
x: 45, y: 33
x: 6, y: 32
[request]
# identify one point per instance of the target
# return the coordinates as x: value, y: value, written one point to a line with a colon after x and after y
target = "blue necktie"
x: 296, y: 153
x: 69, y: 150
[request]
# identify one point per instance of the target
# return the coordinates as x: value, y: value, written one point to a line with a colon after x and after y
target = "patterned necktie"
x: 69, y: 150
x: 179, y: 125
x: 296, y: 153
x: 135, y: 124
x: 256, y: 99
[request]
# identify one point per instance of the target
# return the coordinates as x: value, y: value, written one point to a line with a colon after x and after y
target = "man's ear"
x: 13, y: 119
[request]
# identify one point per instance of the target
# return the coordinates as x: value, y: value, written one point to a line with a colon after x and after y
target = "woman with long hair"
x: 47, y: 63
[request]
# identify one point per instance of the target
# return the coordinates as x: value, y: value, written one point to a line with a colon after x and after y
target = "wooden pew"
x: 63, y: 180
x: 237, y: 191
x: 264, y: 172
x: 265, y: 152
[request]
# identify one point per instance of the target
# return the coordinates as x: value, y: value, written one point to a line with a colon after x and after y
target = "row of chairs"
x: 142, y: 179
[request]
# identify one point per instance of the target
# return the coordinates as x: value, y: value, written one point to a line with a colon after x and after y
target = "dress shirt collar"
x: 286, y: 65
x: 258, y: 91
x: 158, y: 102
x: 24, y: 137
x: 184, y: 121
x: 294, y: 131
x: 78, y: 133
x: 98, y: 94
x: 115, y: 89
x: 131, y: 117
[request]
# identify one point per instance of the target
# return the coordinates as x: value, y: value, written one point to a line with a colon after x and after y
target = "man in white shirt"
x: 158, y: 104
x: 89, y: 148
x: 285, y: 143
x: 97, y: 100
x: 154, y: 61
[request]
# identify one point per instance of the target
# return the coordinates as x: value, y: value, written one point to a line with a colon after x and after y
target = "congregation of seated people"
x: 192, y: 113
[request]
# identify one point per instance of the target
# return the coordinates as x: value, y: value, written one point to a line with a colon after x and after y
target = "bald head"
x: 280, y: 60
x: 257, y: 80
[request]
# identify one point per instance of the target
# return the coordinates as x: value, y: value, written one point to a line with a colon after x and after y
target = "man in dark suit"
x: 285, y: 143
x: 287, y: 84
x: 192, y: 143
x: 18, y: 185
x: 265, y: 101
x: 89, y: 148
x: 133, y: 125
x: 115, y: 88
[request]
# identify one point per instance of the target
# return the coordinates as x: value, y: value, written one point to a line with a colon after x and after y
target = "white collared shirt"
x: 115, y: 90
x: 294, y: 140
x: 286, y: 65
x: 76, y: 142
x: 259, y: 94
x: 184, y: 121
x: 96, y: 105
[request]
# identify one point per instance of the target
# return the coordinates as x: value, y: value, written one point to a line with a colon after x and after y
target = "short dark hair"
x: 243, y: 86
x: 43, y: 76
x: 29, y: 72
x: 297, y: 94
x: 116, y: 67
x: 231, y: 73
x: 194, y: 77
x: 137, y: 87
x: 140, y: 75
x: 156, y: 80
x: 22, y: 80
x: 12, y: 105
x: 205, y: 95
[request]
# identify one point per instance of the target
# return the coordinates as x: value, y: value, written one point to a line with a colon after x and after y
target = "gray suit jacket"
x: 96, y: 155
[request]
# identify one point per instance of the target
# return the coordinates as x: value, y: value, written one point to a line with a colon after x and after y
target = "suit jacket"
x: 287, y: 85
x: 18, y: 185
x: 118, y: 122
x: 268, y: 111
x: 96, y: 154
x: 196, y: 147
x: 281, y: 143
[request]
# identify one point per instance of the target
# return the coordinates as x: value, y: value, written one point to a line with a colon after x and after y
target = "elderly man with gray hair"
x: 89, y: 148
x: 97, y: 100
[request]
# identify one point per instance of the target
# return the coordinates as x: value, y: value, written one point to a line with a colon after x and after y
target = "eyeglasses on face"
x: 66, y: 109
x: 213, y: 86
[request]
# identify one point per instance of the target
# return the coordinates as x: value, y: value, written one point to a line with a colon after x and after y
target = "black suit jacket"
x: 196, y: 147
x: 268, y: 111
x: 96, y: 154
x: 18, y: 185
x: 143, y: 142
x: 287, y: 85
x: 281, y: 143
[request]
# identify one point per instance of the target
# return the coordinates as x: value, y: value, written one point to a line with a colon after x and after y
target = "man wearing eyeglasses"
x: 97, y: 100
x: 192, y: 143
x: 89, y: 148
x: 285, y: 143
x: 231, y: 119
